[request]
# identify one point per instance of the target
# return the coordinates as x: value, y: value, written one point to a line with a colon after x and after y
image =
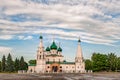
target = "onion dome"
x: 53, y: 46
x: 79, y: 40
x: 41, y: 37
x: 47, y: 49
x: 59, y: 49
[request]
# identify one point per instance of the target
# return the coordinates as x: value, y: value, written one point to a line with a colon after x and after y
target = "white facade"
x: 51, y: 60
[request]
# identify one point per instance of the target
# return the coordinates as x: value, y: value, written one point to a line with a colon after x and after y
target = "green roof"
x: 53, y: 46
x: 47, y: 49
x: 59, y: 49
x: 32, y: 65
x: 79, y: 40
x: 41, y: 37
x: 60, y: 62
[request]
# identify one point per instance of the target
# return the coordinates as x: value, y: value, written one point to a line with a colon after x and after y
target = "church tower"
x: 79, y: 63
x: 40, y: 61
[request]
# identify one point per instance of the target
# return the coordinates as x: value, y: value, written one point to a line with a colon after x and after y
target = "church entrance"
x: 55, y: 68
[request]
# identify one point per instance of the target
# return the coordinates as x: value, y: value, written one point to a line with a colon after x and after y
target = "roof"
x: 59, y: 49
x: 60, y: 62
x: 79, y: 40
x: 32, y: 65
x: 41, y: 37
x: 53, y: 46
x: 47, y: 49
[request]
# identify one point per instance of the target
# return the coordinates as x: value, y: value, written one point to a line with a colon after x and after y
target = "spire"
x: 79, y: 40
x: 79, y: 50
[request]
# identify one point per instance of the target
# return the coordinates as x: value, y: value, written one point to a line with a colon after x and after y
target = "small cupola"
x: 59, y: 49
x: 41, y: 37
x: 48, y: 49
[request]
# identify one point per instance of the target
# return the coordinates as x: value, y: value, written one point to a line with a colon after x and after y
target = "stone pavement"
x: 92, y: 76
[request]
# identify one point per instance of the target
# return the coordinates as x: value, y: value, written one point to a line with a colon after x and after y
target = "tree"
x: 23, y: 64
x: 112, y: 61
x: 9, y: 64
x: 88, y: 64
x: 32, y: 62
x: 0, y: 66
x: 3, y: 64
x: 16, y: 64
x: 99, y: 62
x: 118, y: 63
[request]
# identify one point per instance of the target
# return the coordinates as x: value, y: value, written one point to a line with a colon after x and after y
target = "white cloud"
x: 95, y: 21
x: 25, y: 37
x: 6, y: 37
x: 5, y: 50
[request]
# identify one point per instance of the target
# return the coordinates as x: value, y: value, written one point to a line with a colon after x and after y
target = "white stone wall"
x: 68, y: 68
x: 31, y: 69
x: 54, y: 59
x: 80, y: 67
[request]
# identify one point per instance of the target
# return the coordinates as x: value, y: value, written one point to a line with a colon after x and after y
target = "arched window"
x: 43, y: 56
x: 40, y: 56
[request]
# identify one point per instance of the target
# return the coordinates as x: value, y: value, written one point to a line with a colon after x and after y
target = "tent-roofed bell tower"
x: 79, y: 63
x: 40, y: 67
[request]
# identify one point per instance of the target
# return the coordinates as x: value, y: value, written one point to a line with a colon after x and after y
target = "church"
x: 51, y: 60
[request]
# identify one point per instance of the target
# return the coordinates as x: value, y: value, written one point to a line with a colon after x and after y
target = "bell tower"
x: 40, y: 66
x: 79, y: 62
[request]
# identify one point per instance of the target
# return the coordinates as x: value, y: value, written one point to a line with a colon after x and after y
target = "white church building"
x: 51, y: 60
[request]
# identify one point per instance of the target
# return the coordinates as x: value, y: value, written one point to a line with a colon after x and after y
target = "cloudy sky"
x: 97, y: 22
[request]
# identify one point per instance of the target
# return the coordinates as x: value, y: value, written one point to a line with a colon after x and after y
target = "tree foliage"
x: 16, y: 64
x: 8, y: 65
x: 88, y: 64
x: 112, y: 61
x: 99, y: 62
x: 23, y: 64
x: 103, y: 62
x: 32, y: 62
x: 3, y: 63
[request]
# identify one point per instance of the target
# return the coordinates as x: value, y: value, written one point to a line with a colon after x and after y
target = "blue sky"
x: 97, y: 22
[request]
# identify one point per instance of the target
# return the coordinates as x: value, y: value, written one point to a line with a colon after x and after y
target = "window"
x: 48, y: 67
x: 60, y: 70
x: 40, y: 56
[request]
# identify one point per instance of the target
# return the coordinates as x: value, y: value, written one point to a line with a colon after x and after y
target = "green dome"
x: 59, y: 49
x: 53, y: 46
x: 79, y: 40
x: 47, y: 49
x: 41, y: 37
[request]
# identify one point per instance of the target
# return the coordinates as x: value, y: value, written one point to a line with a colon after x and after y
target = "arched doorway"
x: 54, y: 68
